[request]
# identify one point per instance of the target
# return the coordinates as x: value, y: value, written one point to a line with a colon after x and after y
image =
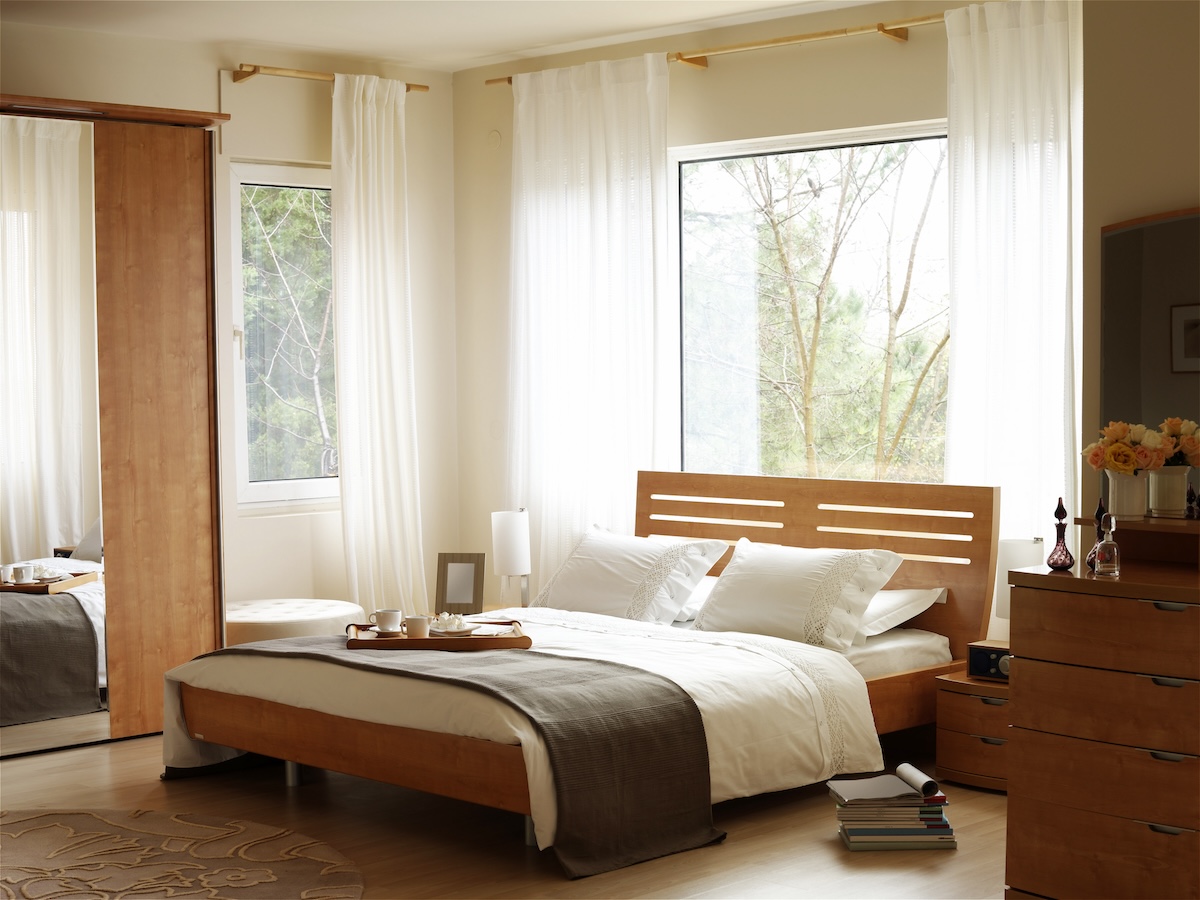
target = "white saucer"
x: 379, y: 631
x: 459, y: 633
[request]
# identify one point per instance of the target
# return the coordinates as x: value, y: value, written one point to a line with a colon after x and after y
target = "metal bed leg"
x: 292, y: 774
x: 530, y: 835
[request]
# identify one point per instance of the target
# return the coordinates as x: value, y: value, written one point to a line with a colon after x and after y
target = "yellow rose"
x: 1120, y: 458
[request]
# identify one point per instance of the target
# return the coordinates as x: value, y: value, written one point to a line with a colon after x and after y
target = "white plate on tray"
x: 62, y: 576
x: 379, y: 631
x: 462, y: 632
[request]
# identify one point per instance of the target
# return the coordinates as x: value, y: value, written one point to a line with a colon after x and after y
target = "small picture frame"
x: 459, y: 583
x: 1185, y: 338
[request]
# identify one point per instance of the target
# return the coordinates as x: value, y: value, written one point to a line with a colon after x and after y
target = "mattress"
x: 777, y: 714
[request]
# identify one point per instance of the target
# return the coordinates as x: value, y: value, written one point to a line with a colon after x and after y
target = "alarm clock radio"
x: 988, y: 659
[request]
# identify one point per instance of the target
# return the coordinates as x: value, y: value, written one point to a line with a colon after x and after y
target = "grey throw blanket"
x: 627, y: 746
x: 47, y: 658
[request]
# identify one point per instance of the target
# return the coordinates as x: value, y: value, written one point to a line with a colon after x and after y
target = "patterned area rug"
x: 54, y: 853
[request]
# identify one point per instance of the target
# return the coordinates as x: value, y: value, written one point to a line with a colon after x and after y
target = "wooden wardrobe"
x: 157, y: 393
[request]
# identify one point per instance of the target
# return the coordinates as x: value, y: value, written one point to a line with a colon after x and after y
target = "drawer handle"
x: 1164, y: 681
x: 1167, y: 756
x: 995, y: 742
x: 1168, y: 606
x: 991, y: 701
x: 1164, y: 829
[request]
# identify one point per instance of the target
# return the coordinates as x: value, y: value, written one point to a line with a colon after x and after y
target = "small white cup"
x: 388, y: 619
x: 417, y: 626
x: 22, y: 573
x: 6, y: 574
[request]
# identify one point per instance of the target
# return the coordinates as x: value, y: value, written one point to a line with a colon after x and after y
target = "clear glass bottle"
x: 1108, y: 554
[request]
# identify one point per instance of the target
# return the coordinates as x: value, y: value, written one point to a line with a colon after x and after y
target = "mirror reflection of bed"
x: 53, y: 665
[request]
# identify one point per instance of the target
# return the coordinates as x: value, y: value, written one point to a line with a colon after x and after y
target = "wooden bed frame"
x: 946, y: 533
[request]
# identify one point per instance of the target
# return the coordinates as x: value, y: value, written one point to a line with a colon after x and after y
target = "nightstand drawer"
x: 1062, y: 852
x: 1117, y: 707
x: 973, y: 754
x: 1090, y: 630
x: 1146, y: 785
x: 972, y: 713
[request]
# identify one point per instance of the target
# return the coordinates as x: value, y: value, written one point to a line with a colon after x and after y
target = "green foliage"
x: 816, y: 313
x: 287, y: 286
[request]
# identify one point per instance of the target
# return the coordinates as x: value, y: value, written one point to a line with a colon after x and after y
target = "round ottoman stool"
x: 262, y: 620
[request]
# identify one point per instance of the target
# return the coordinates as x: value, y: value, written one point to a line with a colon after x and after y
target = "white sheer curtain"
x: 589, y: 232
x: 377, y: 433
x: 41, y: 395
x: 1014, y: 120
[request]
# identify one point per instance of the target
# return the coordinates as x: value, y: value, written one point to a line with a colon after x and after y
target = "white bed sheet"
x: 91, y: 598
x: 777, y: 714
x: 898, y: 650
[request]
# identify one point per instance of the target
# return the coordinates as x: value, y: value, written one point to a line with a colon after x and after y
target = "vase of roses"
x: 1125, y: 453
x: 1167, y: 484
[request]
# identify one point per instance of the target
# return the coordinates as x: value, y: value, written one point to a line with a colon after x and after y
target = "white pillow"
x: 696, y: 599
x: 814, y: 596
x: 91, y: 545
x: 888, y: 609
x: 630, y: 577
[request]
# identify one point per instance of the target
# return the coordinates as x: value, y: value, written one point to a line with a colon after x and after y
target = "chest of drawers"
x: 1104, y: 748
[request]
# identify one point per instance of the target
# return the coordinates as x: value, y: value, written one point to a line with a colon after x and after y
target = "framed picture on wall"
x: 459, y: 583
x: 1185, y: 338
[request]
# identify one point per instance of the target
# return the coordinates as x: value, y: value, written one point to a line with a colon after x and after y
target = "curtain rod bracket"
x: 243, y: 72
x: 896, y: 34
x: 699, y: 62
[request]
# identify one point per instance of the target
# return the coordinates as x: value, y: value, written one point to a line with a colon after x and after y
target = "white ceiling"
x: 439, y: 35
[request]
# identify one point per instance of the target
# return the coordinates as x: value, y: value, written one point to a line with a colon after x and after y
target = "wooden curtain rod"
x: 245, y: 70
x: 897, y: 31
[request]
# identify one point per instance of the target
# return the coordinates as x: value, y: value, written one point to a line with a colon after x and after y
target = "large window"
x: 284, y: 378
x: 815, y: 311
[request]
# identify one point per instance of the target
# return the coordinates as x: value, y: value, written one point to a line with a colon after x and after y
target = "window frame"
x: 321, y: 492
x: 678, y: 156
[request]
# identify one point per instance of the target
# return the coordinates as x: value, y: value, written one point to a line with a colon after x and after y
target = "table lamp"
x: 510, y: 549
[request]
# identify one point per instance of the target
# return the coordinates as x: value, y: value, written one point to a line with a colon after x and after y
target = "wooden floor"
x: 413, y: 845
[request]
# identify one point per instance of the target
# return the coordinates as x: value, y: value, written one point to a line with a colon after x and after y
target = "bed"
x: 943, y: 540
x: 52, y: 658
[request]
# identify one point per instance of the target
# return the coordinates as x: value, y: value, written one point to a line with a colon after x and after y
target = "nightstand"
x: 972, y: 731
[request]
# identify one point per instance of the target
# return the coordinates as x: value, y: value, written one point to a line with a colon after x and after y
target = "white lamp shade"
x: 510, y: 542
x: 1014, y: 554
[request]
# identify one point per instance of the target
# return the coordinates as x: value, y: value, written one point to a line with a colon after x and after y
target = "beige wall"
x: 1142, y: 155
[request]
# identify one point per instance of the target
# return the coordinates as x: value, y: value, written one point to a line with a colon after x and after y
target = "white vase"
x: 1126, y: 495
x: 1167, y: 489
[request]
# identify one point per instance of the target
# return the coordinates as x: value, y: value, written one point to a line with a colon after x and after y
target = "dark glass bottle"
x: 1060, y: 557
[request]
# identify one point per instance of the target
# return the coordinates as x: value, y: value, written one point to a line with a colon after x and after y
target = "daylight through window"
x: 815, y: 312
x: 286, y: 373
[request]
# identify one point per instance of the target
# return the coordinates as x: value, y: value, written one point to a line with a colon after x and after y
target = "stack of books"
x: 905, y: 811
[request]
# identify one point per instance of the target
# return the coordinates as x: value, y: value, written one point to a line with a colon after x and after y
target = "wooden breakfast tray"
x: 50, y: 587
x: 362, y: 638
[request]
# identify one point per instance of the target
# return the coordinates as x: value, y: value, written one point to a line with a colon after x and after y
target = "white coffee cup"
x: 6, y: 574
x: 417, y: 626
x: 23, y: 573
x: 388, y: 619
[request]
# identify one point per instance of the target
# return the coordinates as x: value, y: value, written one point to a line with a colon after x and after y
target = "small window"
x: 284, y: 372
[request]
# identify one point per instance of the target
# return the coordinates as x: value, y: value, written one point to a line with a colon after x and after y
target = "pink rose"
x: 1095, y: 456
x: 1190, y: 445
x: 1147, y: 458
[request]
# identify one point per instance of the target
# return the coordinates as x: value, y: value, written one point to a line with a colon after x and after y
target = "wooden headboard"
x: 947, y: 534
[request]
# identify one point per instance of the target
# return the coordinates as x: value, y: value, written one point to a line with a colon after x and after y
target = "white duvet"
x: 776, y: 714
